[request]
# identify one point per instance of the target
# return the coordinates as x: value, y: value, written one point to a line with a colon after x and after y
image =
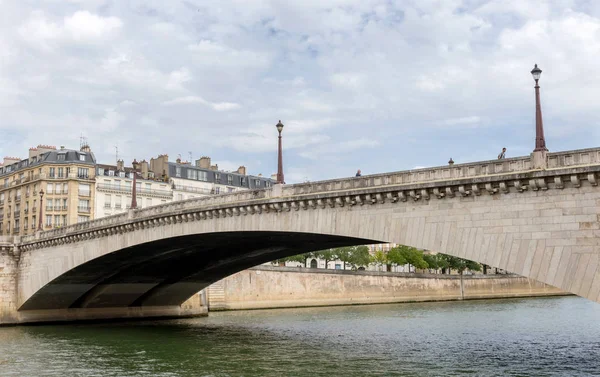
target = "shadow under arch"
x: 169, y: 271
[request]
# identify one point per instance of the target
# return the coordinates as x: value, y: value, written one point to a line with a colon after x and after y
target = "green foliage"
x: 359, y: 257
x: 431, y: 261
x: 396, y: 257
x: 459, y: 264
x: 379, y: 258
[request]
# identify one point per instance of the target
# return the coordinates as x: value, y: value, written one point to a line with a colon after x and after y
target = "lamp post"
x: 41, y: 206
x: 280, y: 179
x: 134, y: 188
x: 540, y: 141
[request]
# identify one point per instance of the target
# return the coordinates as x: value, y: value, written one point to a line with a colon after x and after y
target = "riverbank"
x: 269, y: 287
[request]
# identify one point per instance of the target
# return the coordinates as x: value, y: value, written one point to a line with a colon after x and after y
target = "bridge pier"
x: 8, y: 286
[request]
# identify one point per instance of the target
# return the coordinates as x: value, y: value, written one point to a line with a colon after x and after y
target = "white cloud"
x: 189, y: 100
x: 370, y: 83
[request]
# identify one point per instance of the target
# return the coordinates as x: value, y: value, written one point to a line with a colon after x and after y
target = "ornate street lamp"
x: 280, y: 156
x: 540, y: 141
x: 135, y: 165
x: 41, y: 206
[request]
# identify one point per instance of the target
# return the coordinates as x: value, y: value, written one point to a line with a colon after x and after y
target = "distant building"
x: 65, y: 175
x: 203, y: 179
x: 114, y: 184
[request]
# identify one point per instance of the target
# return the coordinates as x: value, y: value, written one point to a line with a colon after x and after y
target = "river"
x: 512, y: 337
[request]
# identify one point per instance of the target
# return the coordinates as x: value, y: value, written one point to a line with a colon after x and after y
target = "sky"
x: 376, y: 85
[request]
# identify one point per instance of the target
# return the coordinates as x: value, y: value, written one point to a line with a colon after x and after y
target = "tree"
x: 431, y: 260
x: 328, y: 255
x: 460, y: 264
x: 344, y: 254
x: 359, y: 257
x: 396, y: 257
x: 379, y: 258
x: 412, y: 256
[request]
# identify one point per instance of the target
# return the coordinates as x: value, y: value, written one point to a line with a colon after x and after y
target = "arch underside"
x: 169, y: 271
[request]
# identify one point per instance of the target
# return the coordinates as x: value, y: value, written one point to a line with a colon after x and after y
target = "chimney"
x: 178, y: 160
x: 274, y: 176
x: 144, y: 167
x: 33, y: 152
x: 10, y: 160
x: 120, y: 165
x: 45, y: 148
x: 203, y: 162
x: 85, y: 148
x: 260, y: 174
x: 214, y: 167
x: 242, y: 170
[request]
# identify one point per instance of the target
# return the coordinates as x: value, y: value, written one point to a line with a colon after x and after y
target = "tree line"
x: 359, y: 256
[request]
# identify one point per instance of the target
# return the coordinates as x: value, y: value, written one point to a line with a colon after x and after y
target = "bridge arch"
x: 543, y: 225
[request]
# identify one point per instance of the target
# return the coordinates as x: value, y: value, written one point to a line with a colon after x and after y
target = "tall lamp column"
x: 134, y: 188
x: 280, y: 178
x: 41, y: 206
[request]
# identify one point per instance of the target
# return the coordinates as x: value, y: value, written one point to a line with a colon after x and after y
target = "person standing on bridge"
x: 502, y: 154
x: 358, y: 173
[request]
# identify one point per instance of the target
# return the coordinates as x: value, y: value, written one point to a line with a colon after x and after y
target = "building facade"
x: 65, y: 176
x: 114, y: 184
x: 161, y: 181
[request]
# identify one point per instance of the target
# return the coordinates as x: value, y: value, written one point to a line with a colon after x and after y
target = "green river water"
x: 513, y: 337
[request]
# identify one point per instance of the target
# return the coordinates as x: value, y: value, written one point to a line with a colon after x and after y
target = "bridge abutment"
x: 9, y: 271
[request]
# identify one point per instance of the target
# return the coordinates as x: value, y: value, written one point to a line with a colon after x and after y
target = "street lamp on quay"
x: 540, y: 141
x: 280, y: 178
x: 41, y: 206
x: 135, y: 165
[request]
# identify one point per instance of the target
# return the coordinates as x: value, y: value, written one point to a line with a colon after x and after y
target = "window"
x: 81, y: 157
x: 61, y: 157
x: 118, y: 201
x: 2, y: 198
x: 64, y: 204
x: 49, y: 203
x: 50, y: 188
x: 48, y: 220
x: 82, y: 173
x: 148, y: 186
x: 56, y: 220
x: 58, y: 189
x: 217, y: 177
x: 64, y: 220
x: 82, y: 219
x: 25, y: 223
x: 217, y: 190
x: 230, y: 189
x: 100, y: 171
x: 192, y: 174
x: 257, y: 182
x: 111, y: 173
x: 17, y: 224
x: 65, y: 188
x: 148, y: 202
x: 33, y: 222
x: 107, y: 200
x: 178, y: 171
x: 122, y: 174
x: 84, y: 204
x: 84, y: 189
x: 52, y: 173
x: 229, y: 179
x: 61, y: 172
x: 242, y: 181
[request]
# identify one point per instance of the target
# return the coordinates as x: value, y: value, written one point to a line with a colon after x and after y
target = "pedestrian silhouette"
x: 502, y: 154
x: 358, y: 173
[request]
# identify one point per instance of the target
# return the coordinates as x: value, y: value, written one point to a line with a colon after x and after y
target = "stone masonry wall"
x: 8, y: 287
x: 274, y: 287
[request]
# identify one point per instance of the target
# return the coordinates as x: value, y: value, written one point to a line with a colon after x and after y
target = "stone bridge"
x: 537, y: 216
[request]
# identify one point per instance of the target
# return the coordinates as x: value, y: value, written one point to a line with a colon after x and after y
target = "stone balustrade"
x: 472, y: 179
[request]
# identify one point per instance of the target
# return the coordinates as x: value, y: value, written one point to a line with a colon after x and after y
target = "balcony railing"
x: 60, y: 208
x: 49, y: 208
x: 17, y: 198
x: 17, y: 214
x: 1, y: 202
x: 106, y: 205
x: 84, y: 209
x: 84, y: 193
x: 33, y: 226
x: 34, y: 209
x: 117, y: 206
x: 26, y: 210
x: 195, y: 190
x: 16, y: 230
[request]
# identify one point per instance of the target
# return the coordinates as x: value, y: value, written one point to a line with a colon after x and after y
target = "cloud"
x: 188, y: 100
x: 376, y: 84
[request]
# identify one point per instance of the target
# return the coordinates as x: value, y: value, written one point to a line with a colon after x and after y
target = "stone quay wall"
x: 266, y: 287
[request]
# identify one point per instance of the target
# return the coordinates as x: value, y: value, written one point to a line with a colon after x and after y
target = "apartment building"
x: 202, y: 179
x: 114, y: 185
x: 54, y: 185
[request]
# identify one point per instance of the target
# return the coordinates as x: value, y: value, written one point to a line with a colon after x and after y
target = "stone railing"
x: 448, y: 172
x: 491, y: 177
